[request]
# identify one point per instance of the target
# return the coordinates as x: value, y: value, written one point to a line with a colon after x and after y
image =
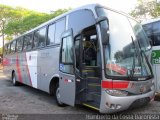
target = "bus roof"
x: 151, y: 21
x: 89, y: 6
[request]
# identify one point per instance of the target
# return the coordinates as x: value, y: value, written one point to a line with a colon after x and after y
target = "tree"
x: 29, y: 21
x: 4, y: 15
x: 19, y: 20
x: 16, y: 21
x: 146, y: 9
x: 8, y: 14
x: 19, y: 26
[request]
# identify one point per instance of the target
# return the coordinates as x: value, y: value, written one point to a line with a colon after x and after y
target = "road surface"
x: 29, y: 101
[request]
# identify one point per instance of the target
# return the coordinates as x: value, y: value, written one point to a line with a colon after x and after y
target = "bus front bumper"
x: 112, y: 104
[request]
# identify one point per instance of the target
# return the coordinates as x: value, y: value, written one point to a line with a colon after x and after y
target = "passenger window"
x: 42, y: 35
x: 148, y: 29
x: 9, y: 48
x: 60, y: 28
x: 51, y: 32
x: 156, y: 27
x: 24, y: 43
x: 156, y: 33
x: 35, y: 39
x: 66, y: 64
x: 6, y: 49
x: 67, y: 53
x: 13, y: 45
x: 156, y: 41
x: 19, y: 45
x: 29, y: 42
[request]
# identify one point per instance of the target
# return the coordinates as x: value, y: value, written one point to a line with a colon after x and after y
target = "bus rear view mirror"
x: 104, y: 25
x: 150, y: 41
x: 105, y: 36
x: 100, y: 19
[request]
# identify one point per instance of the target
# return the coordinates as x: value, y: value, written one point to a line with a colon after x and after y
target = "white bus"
x: 152, y: 29
x: 92, y: 55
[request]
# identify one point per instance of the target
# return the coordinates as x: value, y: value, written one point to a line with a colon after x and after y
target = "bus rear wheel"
x: 57, y: 96
x: 14, y: 81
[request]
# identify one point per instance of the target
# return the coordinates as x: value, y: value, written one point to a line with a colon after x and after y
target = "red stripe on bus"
x: 117, y: 68
x: 28, y: 70
x: 18, y: 70
x: 115, y: 84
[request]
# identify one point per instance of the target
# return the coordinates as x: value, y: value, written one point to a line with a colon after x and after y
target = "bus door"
x: 67, y: 82
x: 88, y: 67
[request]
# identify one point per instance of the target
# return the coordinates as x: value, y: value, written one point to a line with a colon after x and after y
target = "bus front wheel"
x: 57, y: 96
x: 14, y: 81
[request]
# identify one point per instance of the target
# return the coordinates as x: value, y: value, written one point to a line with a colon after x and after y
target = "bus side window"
x: 24, y: 43
x: 6, y: 49
x: 67, y: 55
x: 148, y: 29
x: 9, y: 48
x: 42, y: 36
x: 29, y: 42
x: 51, y: 32
x: 19, y: 45
x: 156, y: 33
x: 35, y: 39
x: 13, y: 45
x: 60, y: 28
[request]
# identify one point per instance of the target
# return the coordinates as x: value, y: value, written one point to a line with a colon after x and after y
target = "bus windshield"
x: 125, y: 53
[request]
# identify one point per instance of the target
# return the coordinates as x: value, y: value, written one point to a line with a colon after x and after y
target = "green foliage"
x: 8, y: 37
x: 19, y: 20
x: 5, y: 12
x: 146, y: 9
x: 29, y: 20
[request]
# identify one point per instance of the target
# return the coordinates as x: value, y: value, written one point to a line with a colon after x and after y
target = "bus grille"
x: 140, y: 102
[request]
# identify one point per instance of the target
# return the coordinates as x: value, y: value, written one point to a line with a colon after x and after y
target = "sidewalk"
x: 2, y: 75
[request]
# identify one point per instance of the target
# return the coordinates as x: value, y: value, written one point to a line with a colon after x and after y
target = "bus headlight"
x: 117, y: 92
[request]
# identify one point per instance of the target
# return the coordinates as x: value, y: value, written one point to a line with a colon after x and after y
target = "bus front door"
x: 67, y: 83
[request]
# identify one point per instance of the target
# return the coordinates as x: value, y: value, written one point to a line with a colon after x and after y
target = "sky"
x: 52, y: 5
x: 48, y: 6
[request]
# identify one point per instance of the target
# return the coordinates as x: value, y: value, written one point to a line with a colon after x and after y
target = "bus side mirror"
x: 105, y: 37
x: 150, y: 41
x: 100, y: 19
x: 104, y: 25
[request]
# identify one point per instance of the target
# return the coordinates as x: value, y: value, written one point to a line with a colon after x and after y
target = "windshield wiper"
x: 133, y: 64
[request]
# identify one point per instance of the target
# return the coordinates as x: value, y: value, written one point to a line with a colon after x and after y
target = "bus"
x: 152, y: 29
x: 93, y: 56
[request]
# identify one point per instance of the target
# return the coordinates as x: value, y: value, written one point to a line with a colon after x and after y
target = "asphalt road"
x: 29, y: 102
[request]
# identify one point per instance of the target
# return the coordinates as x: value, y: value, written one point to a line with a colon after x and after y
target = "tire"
x: 14, y: 81
x: 57, y: 96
